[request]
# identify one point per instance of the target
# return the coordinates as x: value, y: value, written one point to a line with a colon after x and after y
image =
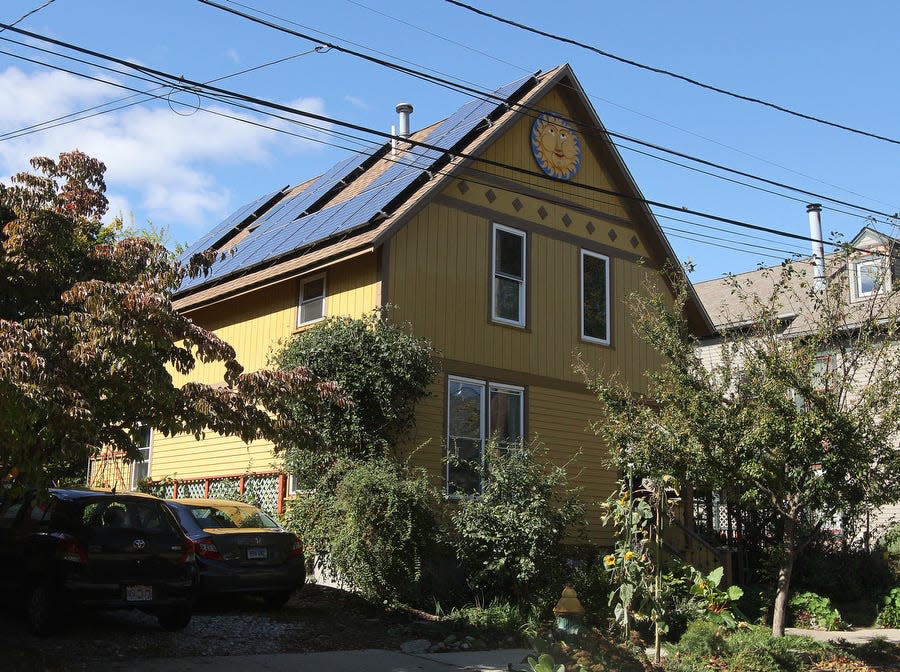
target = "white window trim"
x: 883, y: 276
x: 487, y: 386
x: 149, y: 449
x: 585, y: 337
x: 523, y: 282
x: 300, y: 302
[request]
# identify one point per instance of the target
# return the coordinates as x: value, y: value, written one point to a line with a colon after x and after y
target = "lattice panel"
x: 264, y: 490
x: 225, y: 488
x: 192, y: 489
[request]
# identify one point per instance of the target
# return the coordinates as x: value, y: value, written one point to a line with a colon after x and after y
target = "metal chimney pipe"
x: 404, y: 110
x: 814, y: 210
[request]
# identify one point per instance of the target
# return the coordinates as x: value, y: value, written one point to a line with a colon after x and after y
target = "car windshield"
x: 231, y: 515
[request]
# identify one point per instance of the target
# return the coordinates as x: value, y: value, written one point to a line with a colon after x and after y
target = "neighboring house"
x: 871, y: 269
x: 504, y: 263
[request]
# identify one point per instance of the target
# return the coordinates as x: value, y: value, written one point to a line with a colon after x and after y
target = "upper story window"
x: 312, y: 300
x: 478, y: 411
x: 594, y: 297
x: 140, y: 469
x: 508, y: 293
x: 869, y: 277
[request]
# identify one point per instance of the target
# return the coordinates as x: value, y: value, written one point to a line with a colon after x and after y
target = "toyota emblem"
x: 139, y: 544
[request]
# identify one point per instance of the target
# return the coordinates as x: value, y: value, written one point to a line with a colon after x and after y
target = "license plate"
x: 138, y: 593
x: 257, y: 553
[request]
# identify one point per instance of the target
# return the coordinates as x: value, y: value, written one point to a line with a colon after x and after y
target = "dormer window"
x: 869, y: 278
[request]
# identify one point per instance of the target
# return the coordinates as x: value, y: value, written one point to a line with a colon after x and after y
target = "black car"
x: 240, y: 549
x: 74, y: 548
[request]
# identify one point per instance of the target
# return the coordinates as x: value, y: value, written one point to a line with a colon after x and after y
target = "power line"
x: 675, y: 75
x: 27, y: 14
x: 73, y: 117
x: 486, y: 94
x: 183, y: 83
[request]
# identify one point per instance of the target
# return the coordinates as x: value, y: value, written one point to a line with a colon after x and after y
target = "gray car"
x: 241, y: 549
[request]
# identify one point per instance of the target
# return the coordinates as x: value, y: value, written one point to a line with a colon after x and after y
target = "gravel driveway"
x: 317, y: 619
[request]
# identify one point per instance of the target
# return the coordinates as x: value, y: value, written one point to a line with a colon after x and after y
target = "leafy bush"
x: 381, y: 369
x: 810, y: 610
x: 510, y: 537
x: 889, y: 616
x: 371, y: 524
x: 707, y: 647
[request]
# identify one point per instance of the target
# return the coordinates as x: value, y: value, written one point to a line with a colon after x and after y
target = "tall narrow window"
x: 508, y: 294
x: 594, y: 297
x: 478, y: 411
x: 312, y: 300
x: 140, y: 470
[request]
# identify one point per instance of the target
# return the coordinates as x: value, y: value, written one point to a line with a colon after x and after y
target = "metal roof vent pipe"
x: 404, y: 110
x: 814, y: 210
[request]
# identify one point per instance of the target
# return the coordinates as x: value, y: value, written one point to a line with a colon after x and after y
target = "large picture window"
x: 508, y: 292
x: 478, y: 411
x: 312, y: 300
x: 594, y: 297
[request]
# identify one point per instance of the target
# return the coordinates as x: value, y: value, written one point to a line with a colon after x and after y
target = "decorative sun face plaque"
x: 556, y: 146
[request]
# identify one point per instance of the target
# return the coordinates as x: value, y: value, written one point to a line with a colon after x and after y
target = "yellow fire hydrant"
x: 569, y: 612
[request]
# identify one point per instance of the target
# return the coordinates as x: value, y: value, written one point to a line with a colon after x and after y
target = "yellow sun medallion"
x: 556, y: 146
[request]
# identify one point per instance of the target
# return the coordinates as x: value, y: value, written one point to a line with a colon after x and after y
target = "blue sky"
x: 188, y: 171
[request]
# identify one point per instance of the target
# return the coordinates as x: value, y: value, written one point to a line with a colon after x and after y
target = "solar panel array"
x: 286, y: 227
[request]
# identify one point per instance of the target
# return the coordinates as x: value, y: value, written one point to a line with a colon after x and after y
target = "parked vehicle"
x: 71, y: 549
x: 240, y: 549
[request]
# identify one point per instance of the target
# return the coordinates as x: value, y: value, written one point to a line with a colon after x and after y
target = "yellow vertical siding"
x: 254, y: 325
x: 559, y: 418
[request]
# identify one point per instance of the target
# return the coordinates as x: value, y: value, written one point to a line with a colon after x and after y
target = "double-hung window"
x: 312, y: 300
x: 594, y: 297
x: 478, y: 411
x: 508, y: 276
x: 140, y: 469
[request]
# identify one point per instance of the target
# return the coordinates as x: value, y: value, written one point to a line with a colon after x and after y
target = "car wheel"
x: 43, y: 609
x: 277, y: 599
x: 175, y: 618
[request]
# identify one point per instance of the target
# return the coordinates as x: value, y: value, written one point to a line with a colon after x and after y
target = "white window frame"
x: 523, y: 281
x: 301, y: 302
x: 149, y: 452
x: 606, y: 260
x: 883, y: 279
x: 484, y: 421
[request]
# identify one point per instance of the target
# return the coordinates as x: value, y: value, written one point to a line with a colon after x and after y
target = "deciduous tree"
x: 89, y: 336
x: 800, y: 416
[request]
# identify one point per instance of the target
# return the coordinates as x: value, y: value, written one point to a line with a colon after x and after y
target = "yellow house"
x: 508, y: 234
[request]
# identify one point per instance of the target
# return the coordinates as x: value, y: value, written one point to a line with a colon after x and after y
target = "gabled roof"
x: 727, y: 312
x: 357, y: 204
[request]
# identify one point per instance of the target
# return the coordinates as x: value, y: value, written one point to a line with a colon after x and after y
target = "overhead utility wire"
x: 590, y: 95
x: 187, y: 84
x: 81, y: 115
x: 27, y: 14
x: 707, y: 239
x: 675, y: 75
x: 479, y: 93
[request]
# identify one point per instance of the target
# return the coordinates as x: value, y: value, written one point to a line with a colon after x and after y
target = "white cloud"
x: 233, y: 55
x: 161, y: 165
x: 358, y: 102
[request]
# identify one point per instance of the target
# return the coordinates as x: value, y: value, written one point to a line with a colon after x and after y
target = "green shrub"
x: 810, y: 610
x: 373, y: 529
x: 889, y: 616
x: 702, y: 638
x: 510, y: 537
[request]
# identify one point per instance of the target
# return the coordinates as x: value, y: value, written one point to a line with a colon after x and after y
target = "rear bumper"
x: 219, y: 577
x: 175, y: 592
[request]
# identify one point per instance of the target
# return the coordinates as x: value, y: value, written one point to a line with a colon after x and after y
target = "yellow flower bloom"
x: 609, y: 560
x: 629, y: 555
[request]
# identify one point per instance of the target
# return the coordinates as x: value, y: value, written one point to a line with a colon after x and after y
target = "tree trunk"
x: 779, y: 615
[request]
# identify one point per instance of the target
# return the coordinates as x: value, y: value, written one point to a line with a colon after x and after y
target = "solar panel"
x: 230, y: 222
x: 285, y: 228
